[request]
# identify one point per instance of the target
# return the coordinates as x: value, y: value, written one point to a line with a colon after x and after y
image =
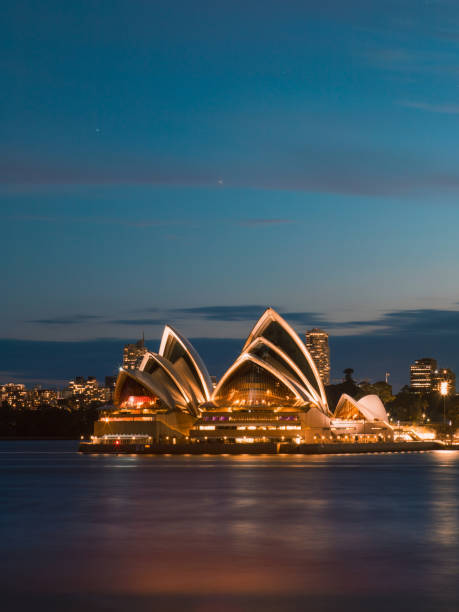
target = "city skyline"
x: 218, y: 352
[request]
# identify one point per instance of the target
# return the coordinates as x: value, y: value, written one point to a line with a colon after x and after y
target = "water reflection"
x: 227, y: 533
x: 444, y: 530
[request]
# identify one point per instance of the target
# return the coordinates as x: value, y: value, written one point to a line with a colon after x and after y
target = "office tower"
x: 317, y: 345
x: 422, y: 373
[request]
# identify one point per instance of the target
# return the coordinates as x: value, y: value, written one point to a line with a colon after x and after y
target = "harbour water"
x: 226, y: 534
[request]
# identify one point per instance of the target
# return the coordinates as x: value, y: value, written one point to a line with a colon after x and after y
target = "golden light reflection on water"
x: 445, y: 519
x: 233, y: 526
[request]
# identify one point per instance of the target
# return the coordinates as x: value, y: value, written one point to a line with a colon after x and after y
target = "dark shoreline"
x: 36, y: 438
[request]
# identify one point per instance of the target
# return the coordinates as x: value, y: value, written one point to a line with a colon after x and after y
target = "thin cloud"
x: 335, y: 169
x: 448, y: 35
x: 125, y: 171
x: 307, y: 319
x: 144, y: 310
x: 445, y: 109
x: 248, y: 312
x: 69, y: 320
x: 255, y: 222
x: 140, y: 223
x: 238, y: 313
x: 137, y: 322
x: 427, y: 321
x: 99, y: 221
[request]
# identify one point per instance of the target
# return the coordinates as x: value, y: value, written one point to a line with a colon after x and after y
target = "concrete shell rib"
x: 198, y: 364
x: 271, y: 315
x: 308, y: 391
x: 369, y: 407
x: 146, y: 381
x: 166, y: 366
x: 299, y: 393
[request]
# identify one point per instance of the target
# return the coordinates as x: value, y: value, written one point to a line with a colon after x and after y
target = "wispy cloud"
x: 223, y: 313
x: 138, y: 223
x: 337, y: 168
x: 393, y: 58
x: 307, y: 319
x: 255, y: 222
x: 68, y: 320
x: 124, y: 170
x: 251, y: 313
x: 428, y: 321
x: 446, y: 109
x: 401, y: 59
x: 128, y: 221
x: 398, y: 322
x: 137, y: 322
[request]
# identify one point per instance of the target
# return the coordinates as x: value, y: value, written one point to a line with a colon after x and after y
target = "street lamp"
x: 444, y: 393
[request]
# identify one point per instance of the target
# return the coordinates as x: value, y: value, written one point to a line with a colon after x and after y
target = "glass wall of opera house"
x: 271, y: 393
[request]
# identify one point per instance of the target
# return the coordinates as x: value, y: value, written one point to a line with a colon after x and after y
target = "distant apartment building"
x: 133, y: 354
x: 77, y: 386
x: 317, y: 345
x: 422, y: 373
x: 13, y: 395
x: 42, y: 398
x: 84, y: 392
x: 79, y: 393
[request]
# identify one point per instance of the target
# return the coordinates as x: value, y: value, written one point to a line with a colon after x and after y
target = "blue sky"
x: 161, y: 159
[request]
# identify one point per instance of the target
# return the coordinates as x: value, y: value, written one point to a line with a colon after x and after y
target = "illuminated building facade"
x: 422, y: 373
x: 133, y: 354
x: 317, y: 345
x: 446, y: 376
x: 41, y: 398
x: 13, y: 395
x: 426, y: 376
x: 84, y: 392
x: 272, y: 393
x: 79, y: 393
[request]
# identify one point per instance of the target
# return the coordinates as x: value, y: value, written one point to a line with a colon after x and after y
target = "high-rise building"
x: 317, y: 345
x: 444, y: 375
x: 422, y: 374
x: 133, y: 354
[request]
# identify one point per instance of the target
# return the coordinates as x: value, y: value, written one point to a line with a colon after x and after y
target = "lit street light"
x: 444, y: 393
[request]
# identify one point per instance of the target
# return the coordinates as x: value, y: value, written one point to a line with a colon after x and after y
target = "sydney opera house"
x: 271, y: 393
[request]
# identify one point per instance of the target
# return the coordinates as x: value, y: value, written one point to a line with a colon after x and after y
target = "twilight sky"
x: 194, y: 162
